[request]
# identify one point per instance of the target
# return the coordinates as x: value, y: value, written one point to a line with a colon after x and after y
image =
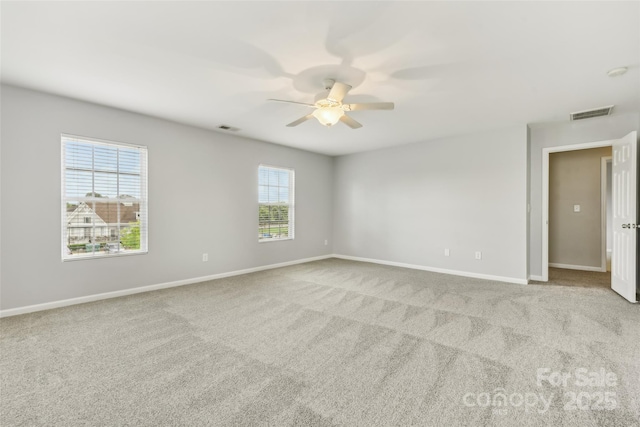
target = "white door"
x: 623, y: 257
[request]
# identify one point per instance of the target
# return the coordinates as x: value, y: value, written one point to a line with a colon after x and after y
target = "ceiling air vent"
x: 228, y: 128
x: 602, y: 111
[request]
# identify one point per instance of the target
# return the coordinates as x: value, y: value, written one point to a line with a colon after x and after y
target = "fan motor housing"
x: 321, y: 100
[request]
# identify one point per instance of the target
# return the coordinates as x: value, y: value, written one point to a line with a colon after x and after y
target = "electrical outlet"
x: 446, y: 252
x: 576, y: 208
x: 326, y: 242
x: 205, y: 257
x: 478, y: 255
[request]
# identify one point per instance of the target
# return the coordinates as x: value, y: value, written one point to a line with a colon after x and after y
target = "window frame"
x: 143, y: 200
x: 291, y: 205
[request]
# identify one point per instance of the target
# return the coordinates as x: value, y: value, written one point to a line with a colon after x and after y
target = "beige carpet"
x: 585, y: 279
x: 325, y: 343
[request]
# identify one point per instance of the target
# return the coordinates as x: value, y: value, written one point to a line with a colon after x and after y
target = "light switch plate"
x: 576, y: 208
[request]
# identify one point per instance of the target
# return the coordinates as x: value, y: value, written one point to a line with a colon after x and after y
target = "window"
x: 104, y: 198
x: 275, y: 203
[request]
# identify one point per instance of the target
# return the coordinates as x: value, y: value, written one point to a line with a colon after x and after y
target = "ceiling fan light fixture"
x: 328, y: 116
x: 329, y: 108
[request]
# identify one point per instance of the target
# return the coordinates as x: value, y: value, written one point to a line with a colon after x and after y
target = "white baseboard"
x: 124, y: 292
x: 107, y: 295
x: 436, y: 270
x: 577, y: 267
x: 536, y: 278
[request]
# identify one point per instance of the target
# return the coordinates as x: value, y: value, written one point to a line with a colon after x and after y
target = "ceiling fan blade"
x: 350, y: 122
x: 300, y: 120
x: 338, y: 91
x: 369, y: 106
x: 292, y: 102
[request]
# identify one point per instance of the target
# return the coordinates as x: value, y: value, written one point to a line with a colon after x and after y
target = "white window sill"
x: 274, y: 240
x: 85, y: 257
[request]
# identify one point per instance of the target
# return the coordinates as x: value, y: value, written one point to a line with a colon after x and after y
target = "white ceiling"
x: 451, y: 68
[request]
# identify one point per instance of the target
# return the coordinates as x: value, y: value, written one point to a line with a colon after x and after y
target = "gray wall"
x: 554, y: 135
x: 575, y: 238
x: 202, y: 198
x: 407, y: 204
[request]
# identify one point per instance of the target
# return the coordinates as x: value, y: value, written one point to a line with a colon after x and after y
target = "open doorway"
x: 624, y: 209
x: 546, y: 155
x: 577, y: 217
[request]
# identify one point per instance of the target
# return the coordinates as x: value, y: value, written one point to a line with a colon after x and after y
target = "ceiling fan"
x: 329, y: 109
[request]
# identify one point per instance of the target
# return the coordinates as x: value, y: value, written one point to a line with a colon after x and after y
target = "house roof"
x: 108, y: 211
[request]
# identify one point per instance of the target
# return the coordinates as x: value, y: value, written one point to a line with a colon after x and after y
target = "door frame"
x: 603, y: 205
x: 545, y: 193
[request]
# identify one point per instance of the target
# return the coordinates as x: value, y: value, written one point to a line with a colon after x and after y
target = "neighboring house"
x: 103, y: 218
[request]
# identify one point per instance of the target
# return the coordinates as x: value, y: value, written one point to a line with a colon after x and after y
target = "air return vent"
x: 597, y: 112
x: 228, y: 128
